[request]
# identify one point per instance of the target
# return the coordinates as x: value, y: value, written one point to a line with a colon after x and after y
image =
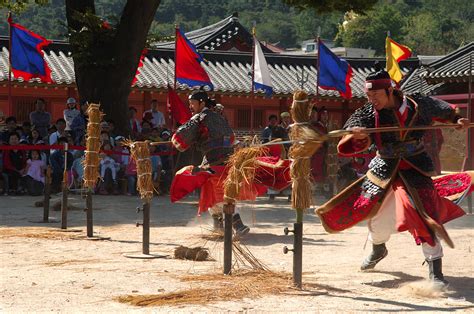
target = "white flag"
x: 261, y: 79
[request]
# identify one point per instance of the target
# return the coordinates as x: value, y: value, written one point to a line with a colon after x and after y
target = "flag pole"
x: 252, y: 93
x: 318, y: 42
x: 10, y: 100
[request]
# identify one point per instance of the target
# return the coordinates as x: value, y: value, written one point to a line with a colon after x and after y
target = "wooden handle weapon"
x: 340, y: 133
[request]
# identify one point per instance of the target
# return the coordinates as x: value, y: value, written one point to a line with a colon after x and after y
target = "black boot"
x: 436, y: 271
x: 379, y: 251
x: 218, y: 223
x: 239, y: 227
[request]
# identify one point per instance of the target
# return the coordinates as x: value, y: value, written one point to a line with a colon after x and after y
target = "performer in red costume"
x: 214, y: 137
x: 398, y: 194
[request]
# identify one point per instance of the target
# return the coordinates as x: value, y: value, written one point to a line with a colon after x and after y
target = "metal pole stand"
x: 229, y: 210
x: 47, y: 193
x: 146, y: 235
x: 297, y: 252
x: 89, y: 220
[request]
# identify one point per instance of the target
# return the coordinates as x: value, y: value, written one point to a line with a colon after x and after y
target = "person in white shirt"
x: 61, y: 132
x: 70, y: 112
x: 158, y: 119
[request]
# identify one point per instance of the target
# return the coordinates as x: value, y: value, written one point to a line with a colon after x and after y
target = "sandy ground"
x: 44, y: 270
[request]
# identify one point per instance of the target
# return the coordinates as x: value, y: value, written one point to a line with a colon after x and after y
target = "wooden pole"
x: 65, y: 191
x: 252, y: 91
x: 10, y: 98
x: 89, y: 214
x: 229, y: 210
x: 47, y: 191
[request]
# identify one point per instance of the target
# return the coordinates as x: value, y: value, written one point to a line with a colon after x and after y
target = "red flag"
x: 177, y: 108
x: 140, y: 64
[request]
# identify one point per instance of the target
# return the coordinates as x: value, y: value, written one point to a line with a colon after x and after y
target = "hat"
x: 71, y: 100
x: 119, y: 138
x: 219, y: 106
x: 165, y: 132
x: 104, y: 124
x: 284, y: 114
x: 199, y: 95
x: 379, y: 79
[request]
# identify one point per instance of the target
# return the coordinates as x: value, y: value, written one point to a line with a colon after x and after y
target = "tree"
x: 326, y: 6
x: 106, y: 56
x: 370, y: 31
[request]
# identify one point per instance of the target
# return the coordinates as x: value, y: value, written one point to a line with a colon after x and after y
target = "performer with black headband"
x: 213, y: 136
x: 397, y: 194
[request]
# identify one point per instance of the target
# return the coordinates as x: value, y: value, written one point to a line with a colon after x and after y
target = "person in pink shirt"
x: 34, y: 174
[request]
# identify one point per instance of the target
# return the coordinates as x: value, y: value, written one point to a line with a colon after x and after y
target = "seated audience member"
x: 14, y: 163
x: 108, y: 171
x: 34, y: 174
x: 156, y: 167
x: 57, y: 166
x: 10, y: 127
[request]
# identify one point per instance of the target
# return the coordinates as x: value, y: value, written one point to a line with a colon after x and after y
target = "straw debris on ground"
x: 218, y: 287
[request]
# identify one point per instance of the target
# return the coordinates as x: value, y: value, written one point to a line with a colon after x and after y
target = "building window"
x: 23, y: 107
x: 244, y: 117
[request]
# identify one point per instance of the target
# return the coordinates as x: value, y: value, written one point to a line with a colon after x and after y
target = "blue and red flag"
x: 333, y: 73
x: 26, y: 54
x: 188, y: 69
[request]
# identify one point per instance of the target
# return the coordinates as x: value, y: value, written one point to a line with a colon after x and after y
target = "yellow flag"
x: 395, y: 53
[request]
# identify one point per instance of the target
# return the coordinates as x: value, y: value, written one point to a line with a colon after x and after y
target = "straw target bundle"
x: 91, y: 157
x: 307, y: 143
x: 140, y: 152
x: 241, y: 171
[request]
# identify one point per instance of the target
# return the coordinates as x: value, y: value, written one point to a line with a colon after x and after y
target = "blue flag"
x: 26, y: 55
x: 333, y: 73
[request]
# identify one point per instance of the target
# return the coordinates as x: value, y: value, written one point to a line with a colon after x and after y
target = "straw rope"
x: 140, y: 152
x: 91, y: 156
x: 300, y: 152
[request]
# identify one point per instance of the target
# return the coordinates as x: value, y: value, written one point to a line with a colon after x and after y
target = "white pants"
x: 112, y: 168
x: 383, y: 225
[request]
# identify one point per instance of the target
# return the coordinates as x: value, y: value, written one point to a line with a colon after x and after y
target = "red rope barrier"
x: 74, y: 147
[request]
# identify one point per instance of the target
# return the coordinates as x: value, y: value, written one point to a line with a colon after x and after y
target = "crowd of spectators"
x: 25, y: 171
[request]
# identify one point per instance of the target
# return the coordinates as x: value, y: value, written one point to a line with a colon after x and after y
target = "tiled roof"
x: 215, y: 36
x: 229, y: 71
x: 416, y: 83
x: 452, y: 67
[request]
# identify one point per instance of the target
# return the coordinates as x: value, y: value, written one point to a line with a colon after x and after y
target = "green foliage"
x: 427, y: 26
x: 326, y: 6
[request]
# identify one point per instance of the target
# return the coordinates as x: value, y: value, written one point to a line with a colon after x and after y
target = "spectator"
x: 146, y: 129
x: 157, y: 118
x: 111, y: 124
x: 267, y: 132
x: 433, y: 141
x: 108, y: 170
x: 60, y: 132
x: 11, y: 127
x: 319, y: 159
x: 57, y: 164
x: 39, y: 118
x: 34, y: 174
x: 166, y: 161
x: 131, y: 175
x: 156, y: 167
x: 25, y: 130
x: 133, y: 123
x: 70, y: 113
x: 79, y: 124
x: 285, y: 120
x: 14, y: 163
x: 34, y: 137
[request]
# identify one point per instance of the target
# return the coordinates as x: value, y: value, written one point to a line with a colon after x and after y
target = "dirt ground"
x: 45, y: 270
